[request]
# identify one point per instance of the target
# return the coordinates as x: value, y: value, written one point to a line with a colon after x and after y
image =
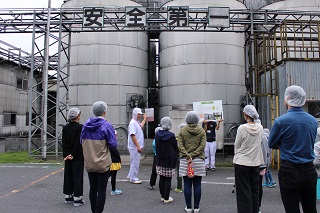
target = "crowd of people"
x: 191, y: 152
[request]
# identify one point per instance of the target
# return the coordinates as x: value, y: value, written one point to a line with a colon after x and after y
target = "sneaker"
x: 178, y: 190
x: 162, y: 199
x: 116, y: 192
x: 78, y: 202
x: 170, y: 200
x: 188, y: 210
x: 212, y: 169
x: 135, y: 181
x: 196, y: 210
x: 68, y: 200
x: 265, y: 184
x: 150, y: 187
x: 271, y: 184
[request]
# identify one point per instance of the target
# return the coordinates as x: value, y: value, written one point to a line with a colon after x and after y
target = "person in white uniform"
x: 135, y: 143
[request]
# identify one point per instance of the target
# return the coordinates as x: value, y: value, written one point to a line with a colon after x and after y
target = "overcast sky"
x: 29, y: 3
x: 24, y: 41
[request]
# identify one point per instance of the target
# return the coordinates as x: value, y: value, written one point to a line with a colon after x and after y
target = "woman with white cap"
x: 166, y: 158
x: 97, y: 138
x: 191, y: 144
x: 73, y: 158
x: 247, y: 159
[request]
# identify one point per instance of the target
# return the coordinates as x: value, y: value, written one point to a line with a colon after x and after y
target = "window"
x: 25, y: 84
x: 22, y: 84
x: 9, y: 119
x: 314, y: 108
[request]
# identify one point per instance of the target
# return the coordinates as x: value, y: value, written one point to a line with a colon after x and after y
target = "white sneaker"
x: 170, y: 200
x: 162, y: 199
x: 135, y: 181
x: 187, y: 210
x: 196, y: 210
x: 77, y: 203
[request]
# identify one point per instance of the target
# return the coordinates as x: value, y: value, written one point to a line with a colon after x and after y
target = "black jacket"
x: 115, y: 155
x: 71, y: 141
x: 166, y: 149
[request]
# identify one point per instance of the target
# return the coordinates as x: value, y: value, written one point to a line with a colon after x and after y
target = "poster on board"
x: 209, y: 110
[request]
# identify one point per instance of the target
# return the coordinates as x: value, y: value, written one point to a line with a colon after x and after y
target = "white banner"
x: 209, y: 110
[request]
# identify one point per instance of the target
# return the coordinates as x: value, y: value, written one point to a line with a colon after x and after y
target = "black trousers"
x: 260, y: 190
x: 165, y: 186
x: 97, y: 194
x: 73, y: 178
x: 153, y: 177
x: 113, y: 175
x: 247, y: 188
x: 298, y: 184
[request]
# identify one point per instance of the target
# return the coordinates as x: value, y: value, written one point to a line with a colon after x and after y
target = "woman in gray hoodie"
x: 247, y: 159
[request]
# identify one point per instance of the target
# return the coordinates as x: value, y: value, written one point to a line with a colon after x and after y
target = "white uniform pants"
x: 134, y: 164
x: 210, y: 153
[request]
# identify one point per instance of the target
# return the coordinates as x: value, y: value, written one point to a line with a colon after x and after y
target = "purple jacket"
x: 97, y: 136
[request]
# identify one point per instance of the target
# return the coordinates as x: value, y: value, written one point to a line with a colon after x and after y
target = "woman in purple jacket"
x: 97, y: 138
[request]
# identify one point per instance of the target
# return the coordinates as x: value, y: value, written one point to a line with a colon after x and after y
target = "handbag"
x: 190, y: 170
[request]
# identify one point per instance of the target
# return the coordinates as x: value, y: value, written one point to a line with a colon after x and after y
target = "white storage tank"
x: 200, y: 66
x: 107, y: 66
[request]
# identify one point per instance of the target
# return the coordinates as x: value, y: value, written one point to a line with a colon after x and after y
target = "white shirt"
x: 134, y: 128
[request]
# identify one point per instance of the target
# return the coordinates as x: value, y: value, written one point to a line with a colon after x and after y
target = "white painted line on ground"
x: 19, y: 166
x: 204, y: 182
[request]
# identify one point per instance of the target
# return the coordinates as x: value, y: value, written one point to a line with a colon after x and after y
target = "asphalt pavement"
x: 37, y: 188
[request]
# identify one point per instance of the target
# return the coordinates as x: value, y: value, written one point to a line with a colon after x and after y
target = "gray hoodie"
x: 247, y: 149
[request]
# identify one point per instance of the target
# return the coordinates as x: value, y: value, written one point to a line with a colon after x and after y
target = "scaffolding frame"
x: 292, y: 40
x: 264, y: 30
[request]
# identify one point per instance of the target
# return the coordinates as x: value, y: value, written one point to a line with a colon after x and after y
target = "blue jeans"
x: 97, y: 194
x: 268, y: 176
x: 196, y: 182
x: 298, y: 184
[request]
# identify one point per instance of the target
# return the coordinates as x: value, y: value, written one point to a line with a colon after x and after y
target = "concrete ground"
x: 37, y: 188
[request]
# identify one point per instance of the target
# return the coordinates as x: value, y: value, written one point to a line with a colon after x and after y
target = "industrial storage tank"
x: 108, y: 66
x: 203, y: 66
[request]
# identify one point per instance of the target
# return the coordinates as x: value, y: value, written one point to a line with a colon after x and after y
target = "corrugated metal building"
x: 14, y: 116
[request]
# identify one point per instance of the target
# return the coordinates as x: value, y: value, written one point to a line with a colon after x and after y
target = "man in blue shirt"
x: 294, y: 134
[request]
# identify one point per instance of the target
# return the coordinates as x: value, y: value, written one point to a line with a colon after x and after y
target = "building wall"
x: 305, y: 74
x: 13, y: 99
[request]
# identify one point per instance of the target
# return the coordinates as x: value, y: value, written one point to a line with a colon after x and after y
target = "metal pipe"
x: 30, y: 95
x: 58, y: 89
x: 45, y: 86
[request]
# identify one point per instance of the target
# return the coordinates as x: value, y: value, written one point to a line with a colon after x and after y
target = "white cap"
x: 295, y: 96
x: 73, y: 113
x: 137, y: 111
